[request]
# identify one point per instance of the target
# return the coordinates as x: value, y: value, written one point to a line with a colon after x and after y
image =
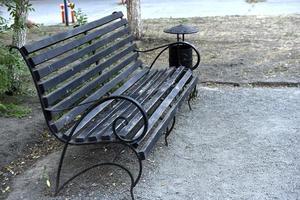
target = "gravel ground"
x: 237, y: 143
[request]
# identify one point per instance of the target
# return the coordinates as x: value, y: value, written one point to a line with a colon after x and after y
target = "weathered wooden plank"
x: 70, y: 116
x: 128, y: 132
x: 35, y: 46
x: 48, y: 84
x: 46, y: 70
x: 62, y: 91
x: 52, y: 53
x: 103, y: 106
x: 82, y: 135
x: 130, y: 110
x: 145, y: 148
x: 86, y: 89
x: 150, y: 104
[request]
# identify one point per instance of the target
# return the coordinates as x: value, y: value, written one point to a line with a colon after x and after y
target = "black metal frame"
x: 130, y: 143
x: 123, y: 141
x: 192, y: 96
x: 169, y: 130
x: 167, y: 46
x: 134, y: 182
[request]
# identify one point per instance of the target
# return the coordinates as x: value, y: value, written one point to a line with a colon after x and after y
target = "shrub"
x: 10, y: 81
x: 81, y: 18
x: 3, y: 24
x: 13, y: 110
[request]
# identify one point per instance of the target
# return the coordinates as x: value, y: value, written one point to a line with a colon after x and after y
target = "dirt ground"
x: 240, y: 49
x: 248, y: 51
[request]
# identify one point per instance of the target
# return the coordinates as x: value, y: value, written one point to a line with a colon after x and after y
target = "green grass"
x: 13, y: 110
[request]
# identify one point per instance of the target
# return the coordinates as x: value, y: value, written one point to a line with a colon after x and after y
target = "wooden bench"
x: 93, y: 89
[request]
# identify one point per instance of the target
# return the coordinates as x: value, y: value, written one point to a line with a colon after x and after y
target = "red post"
x: 72, y: 6
x: 62, y: 13
x: 73, y: 16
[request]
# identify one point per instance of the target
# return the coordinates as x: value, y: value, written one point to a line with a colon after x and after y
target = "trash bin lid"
x: 181, y: 29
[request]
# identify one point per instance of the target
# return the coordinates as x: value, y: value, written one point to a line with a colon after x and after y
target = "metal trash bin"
x: 181, y: 54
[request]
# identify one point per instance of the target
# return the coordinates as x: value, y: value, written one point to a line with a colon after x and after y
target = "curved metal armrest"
x: 12, y: 47
x: 114, y: 124
x: 167, y: 46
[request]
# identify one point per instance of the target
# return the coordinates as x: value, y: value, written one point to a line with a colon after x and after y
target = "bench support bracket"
x: 169, y: 130
x: 192, y: 96
x: 134, y: 182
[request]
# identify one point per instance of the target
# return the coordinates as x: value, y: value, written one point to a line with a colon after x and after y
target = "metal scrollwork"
x: 145, y: 119
x: 167, y: 46
x: 115, y: 97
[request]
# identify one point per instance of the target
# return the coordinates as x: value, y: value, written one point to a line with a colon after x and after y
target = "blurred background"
x: 47, y: 12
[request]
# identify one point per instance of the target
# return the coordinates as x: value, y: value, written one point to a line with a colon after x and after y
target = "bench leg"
x: 134, y: 182
x: 169, y: 130
x: 61, y: 160
x: 192, y: 96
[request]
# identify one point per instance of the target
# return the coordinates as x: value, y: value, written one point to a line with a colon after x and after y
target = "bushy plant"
x: 11, y: 64
x: 10, y: 81
x: 13, y: 110
x: 3, y: 24
x: 15, y: 9
x: 81, y: 17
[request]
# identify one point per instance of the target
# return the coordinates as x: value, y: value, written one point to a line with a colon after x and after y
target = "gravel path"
x: 237, y: 143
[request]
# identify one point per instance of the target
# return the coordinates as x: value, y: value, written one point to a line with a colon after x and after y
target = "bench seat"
x: 160, y: 92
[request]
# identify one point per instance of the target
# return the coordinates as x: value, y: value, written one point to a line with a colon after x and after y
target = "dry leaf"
x: 48, y: 183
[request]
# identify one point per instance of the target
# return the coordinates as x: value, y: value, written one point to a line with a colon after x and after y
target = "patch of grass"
x: 13, y: 110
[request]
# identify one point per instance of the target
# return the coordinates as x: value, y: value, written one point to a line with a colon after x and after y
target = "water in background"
x: 48, y: 11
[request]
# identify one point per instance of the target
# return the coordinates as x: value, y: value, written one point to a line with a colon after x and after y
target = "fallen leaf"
x: 48, y: 183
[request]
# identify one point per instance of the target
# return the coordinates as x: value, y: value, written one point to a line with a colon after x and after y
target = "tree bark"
x: 134, y: 17
x: 19, y: 27
x: 18, y: 39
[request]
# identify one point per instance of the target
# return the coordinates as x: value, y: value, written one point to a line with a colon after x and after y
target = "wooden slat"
x: 104, y: 105
x: 73, y: 98
x: 69, y: 116
x: 82, y: 135
x: 53, y: 81
x: 52, y: 53
x: 129, y: 110
x: 158, y: 111
x: 149, y: 105
x: 44, y: 71
x: 132, y: 110
x: 148, y: 144
x: 30, y: 48
x: 65, y: 89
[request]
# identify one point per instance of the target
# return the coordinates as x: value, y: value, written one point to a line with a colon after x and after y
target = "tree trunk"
x: 134, y: 17
x: 18, y: 39
x: 19, y: 26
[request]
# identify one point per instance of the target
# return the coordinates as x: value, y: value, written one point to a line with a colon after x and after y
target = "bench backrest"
x: 80, y: 65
